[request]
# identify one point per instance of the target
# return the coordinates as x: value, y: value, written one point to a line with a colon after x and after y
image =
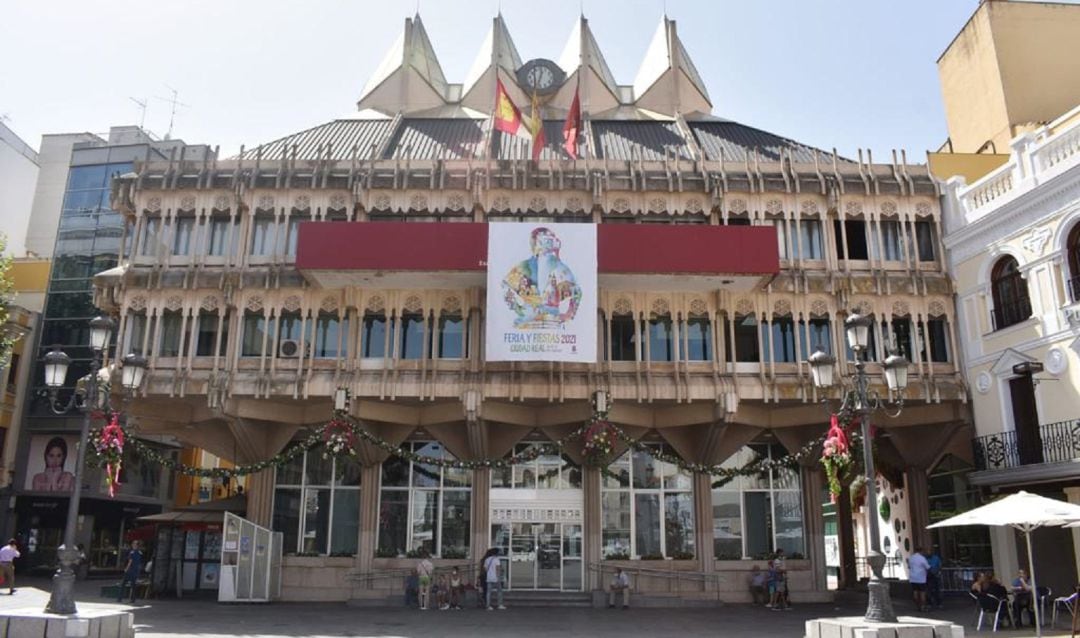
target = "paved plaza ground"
x: 171, y: 618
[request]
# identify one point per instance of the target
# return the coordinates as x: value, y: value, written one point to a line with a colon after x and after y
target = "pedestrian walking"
x: 8, y: 554
x: 493, y: 571
x: 132, y: 569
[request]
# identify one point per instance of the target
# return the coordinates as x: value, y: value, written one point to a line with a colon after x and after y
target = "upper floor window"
x: 871, y: 351
x: 746, y: 339
x: 935, y: 340
x: 817, y: 337
x: 1010, y: 294
x: 927, y: 239
x: 810, y: 239
x: 661, y: 342
x: 262, y: 235
x: 329, y: 335
x: 1073, y: 248
x: 377, y: 332
x: 901, y: 337
x: 257, y: 331
x: 171, y: 332
x: 453, y: 336
x: 182, y: 230
x: 289, y: 329
x: 782, y: 342
x: 149, y: 241
x: 136, y: 333
x: 853, y: 233
x: 624, y: 338
x: 218, y: 239
x: 892, y: 242
x: 412, y: 336
x: 698, y: 338
x: 207, y: 334
x: 291, y: 235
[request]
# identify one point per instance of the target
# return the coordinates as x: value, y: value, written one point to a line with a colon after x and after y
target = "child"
x: 457, y: 589
x: 439, y: 589
x: 772, y: 581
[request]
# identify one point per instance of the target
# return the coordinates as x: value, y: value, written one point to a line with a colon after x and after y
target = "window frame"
x: 332, y: 487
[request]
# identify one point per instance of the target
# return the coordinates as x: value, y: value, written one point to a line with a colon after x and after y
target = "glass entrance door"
x: 540, y: 555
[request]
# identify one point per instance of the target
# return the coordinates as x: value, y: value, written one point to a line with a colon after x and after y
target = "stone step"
x: 525, y: 598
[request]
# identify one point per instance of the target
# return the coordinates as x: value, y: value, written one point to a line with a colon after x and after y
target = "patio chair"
x: 988, y: 603
x: 1068, y: 602
x: 1043, y: 594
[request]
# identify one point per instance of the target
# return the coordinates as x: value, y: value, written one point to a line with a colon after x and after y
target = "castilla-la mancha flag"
x: 507, y: 116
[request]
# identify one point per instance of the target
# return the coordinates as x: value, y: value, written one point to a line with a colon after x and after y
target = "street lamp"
x: 92, y: 395
x: 862, y: 401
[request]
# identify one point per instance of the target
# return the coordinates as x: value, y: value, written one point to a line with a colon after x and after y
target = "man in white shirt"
x: 620, y: 582
x: 8, y: 553
x: 493, y: 567
x: 918, y: 568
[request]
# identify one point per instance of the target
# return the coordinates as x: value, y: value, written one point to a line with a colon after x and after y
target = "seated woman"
x: 979, y: 585
x: 995, y: 588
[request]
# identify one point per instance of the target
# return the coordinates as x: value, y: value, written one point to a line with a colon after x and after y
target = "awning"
x: 184, y: 517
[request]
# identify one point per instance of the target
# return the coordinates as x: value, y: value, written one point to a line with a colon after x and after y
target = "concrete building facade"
x: 349, y: 255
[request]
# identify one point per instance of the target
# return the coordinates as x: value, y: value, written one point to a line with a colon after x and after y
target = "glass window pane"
x: 293, y: 231
x: 219, y: 232
x: 393, y: 521
x: 291, y: 473
x: 412, y: 337
x: 327, y: 331
x: 727, y: 525
x: 502, y: 477
x: 548, y: 476
x: 455, y: 523
x: 182, y: 227
x: 788, y: 522
x: 757, y: 510
x: 571, y: 474
x: 811, y: 239
x: 647, y: 524
x: 676, y: 478
x: 660, y: 339
x: 679, y: 524
x: 525, y: 476
x: 457, y: 477
x: 255, y: 331
x: 698, y: 339
x: 316, y: 521
x: 395, y: 471
x: 171, y: 324
x: 287, y: 517
x: 374, y: 335
x: 451, y: 336
x: 427, y: 475
x: 88, y: 177
x: 623, y: 338
x: 746, y: 339
x: 318, y: 468
x: 347, y: 472
x: 425, y: 508
x: 207, y: 334
x: 346, y: 527
x: 618, y: 472
x: 646, y: 470
x: 615, y: 510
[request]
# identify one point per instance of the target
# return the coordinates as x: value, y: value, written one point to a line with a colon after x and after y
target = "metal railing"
x: 368, y: 578
x: 959, y: 579
x: 1054, y: 443
x: 673, y: 577
x: 1010, y: 313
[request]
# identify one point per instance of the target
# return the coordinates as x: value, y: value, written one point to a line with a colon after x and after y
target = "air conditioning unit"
x: 288, y: 349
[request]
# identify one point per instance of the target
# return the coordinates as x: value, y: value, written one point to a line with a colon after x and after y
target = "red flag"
x: 507, y: 116
x: 572, y: 127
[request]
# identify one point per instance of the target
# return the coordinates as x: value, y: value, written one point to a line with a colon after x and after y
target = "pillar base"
x: 87, y: 623
x: 904, y: 627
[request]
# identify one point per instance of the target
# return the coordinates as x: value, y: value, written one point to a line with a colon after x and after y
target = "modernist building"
x: 73, y: 190
x: 352, y: 255
x: 1014, y: 248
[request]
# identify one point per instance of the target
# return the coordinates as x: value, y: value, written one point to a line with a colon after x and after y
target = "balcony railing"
x: 1055, y: 443
x: 1011, y: 313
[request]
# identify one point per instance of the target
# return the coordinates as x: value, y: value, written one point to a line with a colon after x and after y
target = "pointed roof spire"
x: 497, y: 51
x: 411, y: 56
x: 582, y: 55
x: 667, y: 80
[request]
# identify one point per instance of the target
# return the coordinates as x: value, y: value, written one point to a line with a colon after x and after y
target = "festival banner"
x: 541, y: 292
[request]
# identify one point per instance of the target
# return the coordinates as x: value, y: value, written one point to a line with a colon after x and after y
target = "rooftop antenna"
x: 142, y: 111
x: 176, y: 104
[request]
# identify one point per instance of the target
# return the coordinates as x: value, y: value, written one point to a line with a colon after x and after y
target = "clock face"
x: 541, y: 76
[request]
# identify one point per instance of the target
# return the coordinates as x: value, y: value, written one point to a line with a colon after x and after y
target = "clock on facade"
x: 540, y: 75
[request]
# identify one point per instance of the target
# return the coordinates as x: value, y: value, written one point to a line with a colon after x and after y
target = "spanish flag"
x: 507, y: 116
x: 536, y: 126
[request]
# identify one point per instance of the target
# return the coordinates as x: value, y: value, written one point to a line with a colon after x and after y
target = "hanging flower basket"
x: 836, y: 458
x: 108, y: 444
x: 599, y: 443
x: 339, y: 439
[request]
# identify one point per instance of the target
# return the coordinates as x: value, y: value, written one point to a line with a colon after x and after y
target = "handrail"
x: 671, y: 575
x: 466, y: 568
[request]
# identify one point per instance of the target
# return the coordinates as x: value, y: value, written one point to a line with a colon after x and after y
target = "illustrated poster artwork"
x: 541, y: 292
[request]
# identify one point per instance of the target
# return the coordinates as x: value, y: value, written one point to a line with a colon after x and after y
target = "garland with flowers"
x: 108, y: 443
x: 836, y: 453
x: 341, y: 435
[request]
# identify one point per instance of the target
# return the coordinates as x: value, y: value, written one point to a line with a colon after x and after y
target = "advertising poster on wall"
x: 541, y: 292
x: 51, y: 463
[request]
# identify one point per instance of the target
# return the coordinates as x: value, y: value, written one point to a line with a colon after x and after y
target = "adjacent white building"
x: 18, y: 173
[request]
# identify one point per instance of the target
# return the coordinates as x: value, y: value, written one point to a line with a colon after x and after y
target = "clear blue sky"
x: 832, y: 73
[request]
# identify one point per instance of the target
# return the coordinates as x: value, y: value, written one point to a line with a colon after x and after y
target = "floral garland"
x: 836, y: 457
x: 108, y: 444
x: 338, y: 439
x: 599, y: 443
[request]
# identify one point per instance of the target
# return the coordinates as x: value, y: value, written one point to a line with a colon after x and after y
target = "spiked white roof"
x: 496, y: 53
x: 409, y: 76
x: 667, y: 80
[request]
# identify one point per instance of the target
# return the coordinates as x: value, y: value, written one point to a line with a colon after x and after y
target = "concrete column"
x: 260, y: 497
x: 593, y: 524
x: 1003, y: 547
x: 369, y: 518
x: 1072, y: 494
x: 813, y: 485
x: 481, y: 512
x: 918, y: 497
x: 704, y: 523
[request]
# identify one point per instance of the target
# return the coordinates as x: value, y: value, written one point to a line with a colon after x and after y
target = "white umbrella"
x: 1025, y: 512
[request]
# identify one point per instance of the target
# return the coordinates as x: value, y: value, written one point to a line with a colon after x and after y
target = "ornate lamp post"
x: 862, y: 401
x: 94, y: 395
